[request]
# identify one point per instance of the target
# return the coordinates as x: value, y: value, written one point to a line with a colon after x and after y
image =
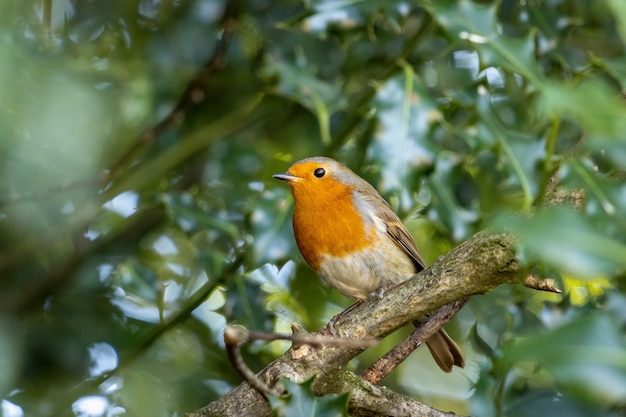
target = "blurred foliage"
x: 124, y: 249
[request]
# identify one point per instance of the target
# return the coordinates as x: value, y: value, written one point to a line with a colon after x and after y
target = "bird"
x: 351, y: 237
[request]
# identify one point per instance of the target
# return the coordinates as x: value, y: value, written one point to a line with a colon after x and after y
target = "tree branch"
x: 373, y: 400
x: 476, y: 266
x: 390, y: 361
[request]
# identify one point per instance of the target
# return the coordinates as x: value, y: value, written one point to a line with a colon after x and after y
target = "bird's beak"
x: 287, y: 176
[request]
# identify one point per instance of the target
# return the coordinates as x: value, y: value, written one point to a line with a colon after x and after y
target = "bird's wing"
x: 401, y: 237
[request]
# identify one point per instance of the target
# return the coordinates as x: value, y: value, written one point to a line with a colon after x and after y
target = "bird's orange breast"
x: 329, y: 226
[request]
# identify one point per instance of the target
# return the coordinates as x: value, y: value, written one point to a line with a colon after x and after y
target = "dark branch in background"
x: 390, y: 361
x: 32, y: 296
x: 193, y: 95
x: 193, y: 302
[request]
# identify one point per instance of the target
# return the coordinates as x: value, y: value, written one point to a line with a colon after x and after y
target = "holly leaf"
x: 586, y: 357
x: 591, y: 103
x: 446, y: 208
x: 566, y: 240
x: 478, y: 24
x: 406, y: 112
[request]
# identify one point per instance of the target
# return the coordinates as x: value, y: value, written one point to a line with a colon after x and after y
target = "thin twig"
x: 390, y: 361
x: 316, y: 340
x: 541, y: 284
x: 235, y: 336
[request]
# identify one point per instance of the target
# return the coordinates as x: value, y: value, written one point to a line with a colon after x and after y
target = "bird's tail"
x: 445, y: 351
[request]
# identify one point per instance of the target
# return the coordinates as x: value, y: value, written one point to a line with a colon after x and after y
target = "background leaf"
x: 587, y: 358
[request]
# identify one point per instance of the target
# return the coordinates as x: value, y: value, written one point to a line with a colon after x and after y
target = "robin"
x: 352, y: 238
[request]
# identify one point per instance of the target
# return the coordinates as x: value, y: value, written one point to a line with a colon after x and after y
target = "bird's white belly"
x: 360, y: 274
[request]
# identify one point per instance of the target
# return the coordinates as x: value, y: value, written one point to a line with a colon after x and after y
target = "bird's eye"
x: 319, y: 172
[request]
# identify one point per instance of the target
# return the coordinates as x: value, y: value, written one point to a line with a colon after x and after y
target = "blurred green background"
x: 126, y: 245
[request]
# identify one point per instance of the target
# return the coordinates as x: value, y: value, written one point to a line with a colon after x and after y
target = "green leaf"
x: 10, y: 354
x: 592, y: 104
x: 523, y: 152
x: 603, y: 195
x: 616, y: 67
x: 406, y: 112
x: 446, y: 209
x: 300, y: 84
x: 587, y: 357
x: 478, y: 25
x: 547, y: 402
x: 566, y: 240
x: 619, y: 12
x: 302, y: 403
